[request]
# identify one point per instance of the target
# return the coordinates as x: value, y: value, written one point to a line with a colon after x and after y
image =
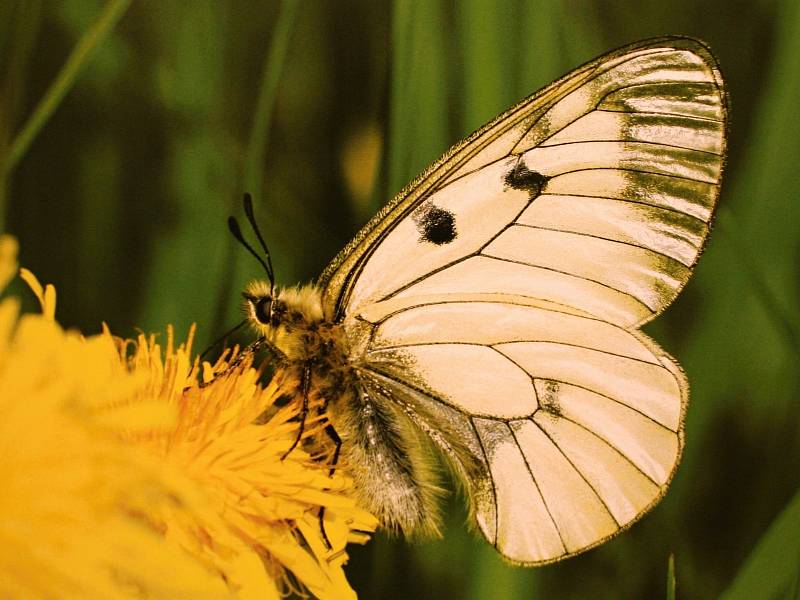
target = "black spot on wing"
x: 435, y: 225
x: 522, y: 178
x: 548, y: 401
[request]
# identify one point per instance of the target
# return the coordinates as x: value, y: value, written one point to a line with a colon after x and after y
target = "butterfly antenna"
x: 248, y: 210
x: 236, y: 231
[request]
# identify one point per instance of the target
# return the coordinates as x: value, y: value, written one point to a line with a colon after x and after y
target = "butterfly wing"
x: 568, y: 427
x: 595, y: 193
x: 496, y: 299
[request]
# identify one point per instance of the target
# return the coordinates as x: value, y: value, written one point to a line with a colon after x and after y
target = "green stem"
x: 64, y: 81
x: 270, y: 77
x: 671, y: 578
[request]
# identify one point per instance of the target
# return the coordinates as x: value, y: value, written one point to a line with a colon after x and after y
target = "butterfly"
x: 490, y: 313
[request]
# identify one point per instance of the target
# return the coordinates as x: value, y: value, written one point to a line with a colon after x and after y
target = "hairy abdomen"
x: 390, y: 464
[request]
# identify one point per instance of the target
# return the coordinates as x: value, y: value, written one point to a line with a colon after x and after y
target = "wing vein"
x: 653, y: 83
x: 493, y: 346
x: 600, y: 237
x: 612, y: 446
x: 488, y: 301
x: 630, y: 170
x: 536, y: 483
x: 630, y: 141
x: 650, y: 113
x: 628, y: 406
x: 535, y: 266
x: 577, y: 470
x: 491, y: 478
x: 631, y: 201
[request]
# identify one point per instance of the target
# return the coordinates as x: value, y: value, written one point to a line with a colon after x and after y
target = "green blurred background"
x: 325, y: 109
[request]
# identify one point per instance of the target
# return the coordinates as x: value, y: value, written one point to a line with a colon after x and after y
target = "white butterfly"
x: 493, y: 309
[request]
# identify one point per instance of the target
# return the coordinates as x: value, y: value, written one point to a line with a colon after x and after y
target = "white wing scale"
x: 502, y: 318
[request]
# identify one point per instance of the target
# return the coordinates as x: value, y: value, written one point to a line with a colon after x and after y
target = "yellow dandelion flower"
x: 123, y: 478
x: 255, y: 515
x: 71, y: 496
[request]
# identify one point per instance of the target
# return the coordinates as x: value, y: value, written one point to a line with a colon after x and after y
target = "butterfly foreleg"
x: 305, y: 390
x: 280, y: 359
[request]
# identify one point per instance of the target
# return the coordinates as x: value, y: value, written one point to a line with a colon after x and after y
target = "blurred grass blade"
x: 491, y: 577
x: 489, y: 48
x: 783, y: 321
x: 254, y: 164
x: 270, y: 77
x: 556, y: 37
x: 671, y: 577
x: 19, y: 28
x: 418, y: 128
x: 768, y: 175
x: 65, y: 80
x: 772, y: 568
x: 187, y: 251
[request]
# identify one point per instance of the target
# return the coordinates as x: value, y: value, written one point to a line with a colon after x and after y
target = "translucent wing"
x: 496, y: 299
x: 568, y: 427
x: 596, y: 193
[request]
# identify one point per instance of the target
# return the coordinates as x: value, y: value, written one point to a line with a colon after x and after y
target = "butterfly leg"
x: 260, y: 344
x: 337, y: 442
x: 249, y: 350
x: 306, y: 387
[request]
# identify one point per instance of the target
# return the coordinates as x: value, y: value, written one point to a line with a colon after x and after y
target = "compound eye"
x: 262, y: 310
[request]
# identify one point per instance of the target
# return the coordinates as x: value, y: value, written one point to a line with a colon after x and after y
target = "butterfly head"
x: 261, y: 306
x: 284, y: 316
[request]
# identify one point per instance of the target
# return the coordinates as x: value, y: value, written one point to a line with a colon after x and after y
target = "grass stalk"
x: 671, y: 585
x: 262, y: 118
x: 64, y: 81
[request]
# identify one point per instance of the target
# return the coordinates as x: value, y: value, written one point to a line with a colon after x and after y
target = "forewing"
x: 566, y: 428
x: 595, y: 194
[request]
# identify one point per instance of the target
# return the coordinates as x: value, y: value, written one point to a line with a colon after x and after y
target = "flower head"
x: 261, y: 514
x: 122, y: 477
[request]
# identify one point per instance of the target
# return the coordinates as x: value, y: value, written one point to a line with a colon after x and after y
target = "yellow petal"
x: 46, y: 295
x: 8, y: 259
x: 9, y: 312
